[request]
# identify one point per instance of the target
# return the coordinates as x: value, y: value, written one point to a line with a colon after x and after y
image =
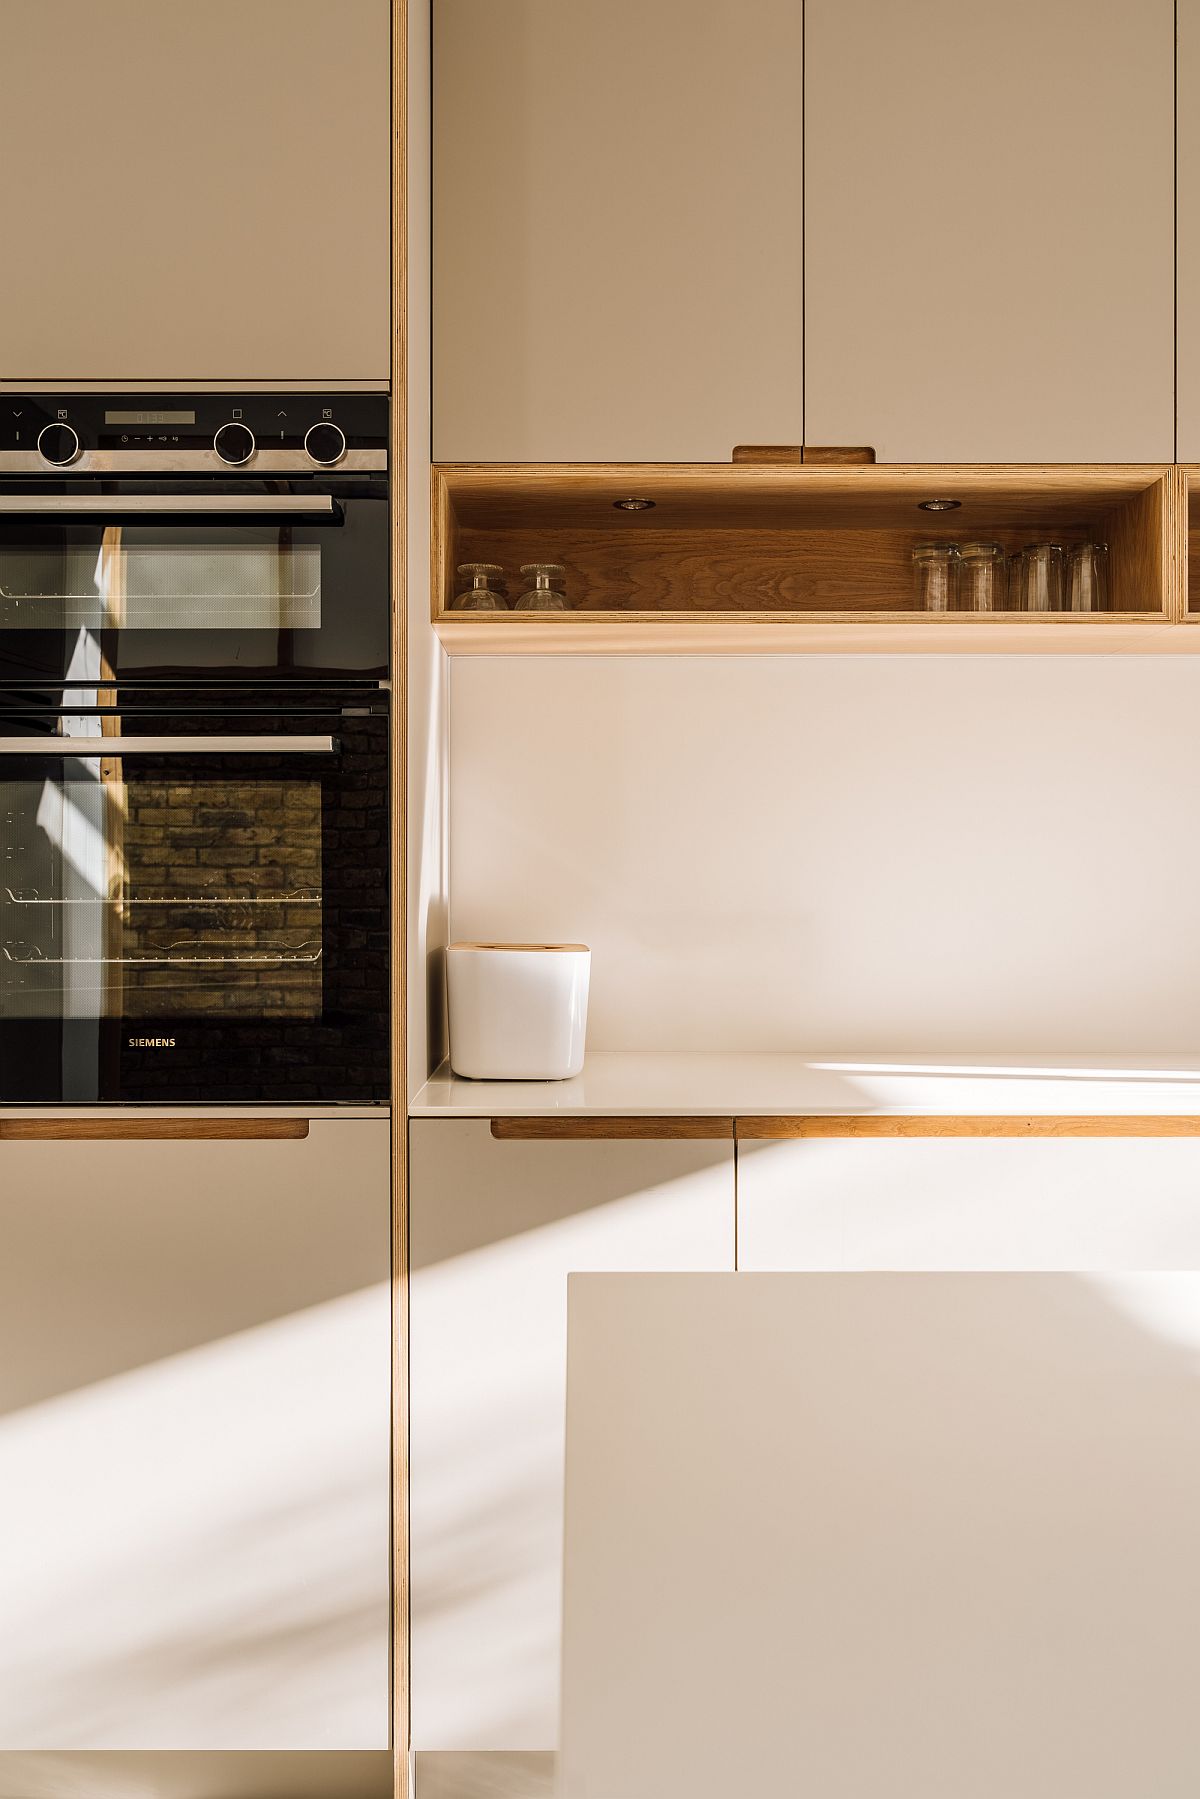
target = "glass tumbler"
x: 1043, y: 578
x: 542, y: 596
x: 983, y: 577
x: 483, y: 594
x: 1087, y: 577
x: 935, y: 577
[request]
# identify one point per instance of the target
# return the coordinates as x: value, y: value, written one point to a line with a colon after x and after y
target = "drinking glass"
x: 983, y: 577
x: 935, y: 577
x: 1087, y: 577
x: 482, y: 595
x: 542, y: 596
x: 1042, y: 578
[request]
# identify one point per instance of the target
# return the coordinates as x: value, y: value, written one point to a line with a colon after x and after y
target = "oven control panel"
x: 237, y: 431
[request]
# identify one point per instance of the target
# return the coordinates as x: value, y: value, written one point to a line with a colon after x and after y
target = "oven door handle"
x: 140, y: 505
x: 167, y: 746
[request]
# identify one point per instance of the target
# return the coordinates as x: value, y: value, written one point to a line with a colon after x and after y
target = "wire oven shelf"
x: 273, y: 959
x: 299, y: 898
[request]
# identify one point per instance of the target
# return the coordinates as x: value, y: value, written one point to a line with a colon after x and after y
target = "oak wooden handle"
x: 795, y: 455
x: 147, y: 1130
x: 624, y: 1130
x: 837, y: 455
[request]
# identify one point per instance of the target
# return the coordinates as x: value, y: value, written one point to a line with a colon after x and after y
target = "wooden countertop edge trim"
x: 982, y: 1125
x: 842, y: 1125
x: 629, y: 1130
x: 148, y: 1130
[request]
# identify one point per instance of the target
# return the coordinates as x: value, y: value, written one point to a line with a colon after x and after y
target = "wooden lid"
x: 548, y: 947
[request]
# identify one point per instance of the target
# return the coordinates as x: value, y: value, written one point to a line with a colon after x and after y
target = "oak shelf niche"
x: 822, y: 554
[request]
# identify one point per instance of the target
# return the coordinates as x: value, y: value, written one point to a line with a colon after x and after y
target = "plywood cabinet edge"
x: 398, y: 317
x: 875, y: 1125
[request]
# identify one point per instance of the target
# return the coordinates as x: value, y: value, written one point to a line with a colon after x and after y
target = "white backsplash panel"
x: 894, y: 854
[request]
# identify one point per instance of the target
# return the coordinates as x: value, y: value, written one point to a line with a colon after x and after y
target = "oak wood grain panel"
x: 883, y: 1125
x: 1190, y: 550
x: 759, y: 539
x: 814, y: 634
x: 780, y: 455
x: 550, y: 495
x: 848, y: 570
x: 837, y: 453
x: 149, y: 1130
x: 627, y: 1130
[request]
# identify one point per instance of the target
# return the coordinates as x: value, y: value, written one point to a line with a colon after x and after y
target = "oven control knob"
x: 58, y: 444
x: 234, y: 443
x: 325, y: 443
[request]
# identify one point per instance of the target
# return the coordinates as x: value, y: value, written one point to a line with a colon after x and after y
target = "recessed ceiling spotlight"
x: 938, y: 505
x: 634, y: 504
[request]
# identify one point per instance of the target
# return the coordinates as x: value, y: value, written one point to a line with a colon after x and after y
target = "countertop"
x: 616, y: 1084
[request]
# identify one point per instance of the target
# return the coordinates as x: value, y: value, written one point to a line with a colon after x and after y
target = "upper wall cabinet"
x: 989, y: 229
x: 203, y: 191
x: 617, y: 229
x: 1188, y: 246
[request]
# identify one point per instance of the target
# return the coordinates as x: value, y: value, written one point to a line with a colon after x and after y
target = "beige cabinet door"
x: 989, y: 229
x: 902, y: 1534
x: 1188, y: 223
x: 496, y: 1228
x: 195, y: 193
x: 838, y: 1205
x: 617, y: 228
x: 195, y: 1443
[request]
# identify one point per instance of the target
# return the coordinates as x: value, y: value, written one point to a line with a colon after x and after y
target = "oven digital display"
x: 179, y: 417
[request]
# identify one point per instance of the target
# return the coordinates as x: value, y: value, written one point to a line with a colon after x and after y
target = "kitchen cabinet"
x: 195, y: 1443
x: 989, y: 229
x: 618, y: 248
x: 882, y: 1534
x: 497, y: 1227
x: 1187, y: 126
x: 1106, y: 1204
x: 196, y: 193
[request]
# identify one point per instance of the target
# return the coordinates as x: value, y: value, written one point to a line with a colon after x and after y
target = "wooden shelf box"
x: 1189, y: 478
x: 802, y: 557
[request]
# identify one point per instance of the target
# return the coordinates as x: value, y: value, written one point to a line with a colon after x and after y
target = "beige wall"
x: 841, y: 853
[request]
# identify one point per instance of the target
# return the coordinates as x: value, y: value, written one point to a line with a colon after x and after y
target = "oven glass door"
x: 227, y: 580
x: 193, y: 905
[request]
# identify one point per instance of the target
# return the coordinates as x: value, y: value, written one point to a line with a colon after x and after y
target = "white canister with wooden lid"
x: 518, y: 1011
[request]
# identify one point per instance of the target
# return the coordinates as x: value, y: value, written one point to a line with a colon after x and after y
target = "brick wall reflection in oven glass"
x: 154, y: 898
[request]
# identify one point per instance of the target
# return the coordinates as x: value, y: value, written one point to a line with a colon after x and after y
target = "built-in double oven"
x: 194, y: 749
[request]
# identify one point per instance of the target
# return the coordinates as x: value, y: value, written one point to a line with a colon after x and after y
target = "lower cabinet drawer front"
x: 1097, y: 1203
x: 195, y: 1443
x: 496, y: 1229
